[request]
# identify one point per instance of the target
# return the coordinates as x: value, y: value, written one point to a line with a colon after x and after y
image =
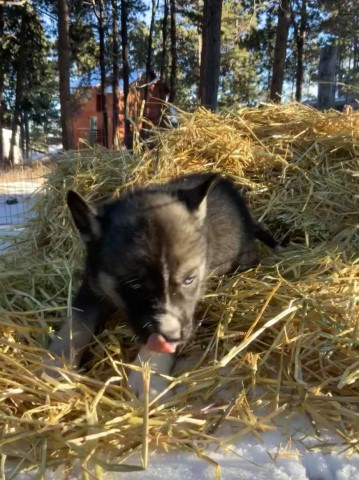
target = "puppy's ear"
x: 196, y: 198
x: 84, y: 217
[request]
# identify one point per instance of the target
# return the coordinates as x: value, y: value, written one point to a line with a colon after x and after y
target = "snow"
x: 54, y: 149
x: 21, y: 193
x: 288, y: 452
x: 14, y: 215
x: 277, y: 457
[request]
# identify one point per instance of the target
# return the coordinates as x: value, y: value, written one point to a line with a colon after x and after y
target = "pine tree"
x: 115, y: 75
x: 300, y: 28
x: 211, y: 53
x: 2, y: 74
x: 125, y: 68
x: 64, y: 73
x: 280, y: 50
x: 173, y: 48
x: 100, y: 16
x: 21, y: 58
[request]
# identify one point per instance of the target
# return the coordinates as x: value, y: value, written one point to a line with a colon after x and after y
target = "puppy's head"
x: 146, y: 254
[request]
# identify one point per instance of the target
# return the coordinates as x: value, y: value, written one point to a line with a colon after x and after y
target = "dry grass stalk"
x: 277, y: 339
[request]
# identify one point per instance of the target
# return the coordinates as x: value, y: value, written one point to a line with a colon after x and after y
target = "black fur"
x: 149, y: 253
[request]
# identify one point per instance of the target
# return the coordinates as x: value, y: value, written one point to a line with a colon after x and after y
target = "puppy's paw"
x: 136, y: 383
x: 53, y: 367
x: 50, y: 367
x: 160, y: 364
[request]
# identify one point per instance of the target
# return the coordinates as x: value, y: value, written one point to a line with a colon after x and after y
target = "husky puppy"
x: 149, y: 254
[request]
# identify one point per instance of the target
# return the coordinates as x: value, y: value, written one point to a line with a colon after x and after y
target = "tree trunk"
x: 211, y: 53
x: 173, y: 72
x: 125, y: 70
x: 300, y: 38
x: 101, y: 31
x: 22, y: 134
x: 27, y: 136
x: 327, y: 71
x: 149, y: 48
x: 115, y: 75
x: 163, y: 73
x: 280, y: 51
x: 20, y: 70
x: 269, y: 49
x: 356, y: 53
x: 64, y: 73
x: 1, y: 85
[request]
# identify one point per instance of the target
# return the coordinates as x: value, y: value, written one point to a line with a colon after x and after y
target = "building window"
x: 93, y: 123
x: 93, y: 130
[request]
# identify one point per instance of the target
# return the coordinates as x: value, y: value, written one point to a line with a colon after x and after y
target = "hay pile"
x: 280, y: 339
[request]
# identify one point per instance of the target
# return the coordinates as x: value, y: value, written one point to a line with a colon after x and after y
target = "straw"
x: 277, y: 339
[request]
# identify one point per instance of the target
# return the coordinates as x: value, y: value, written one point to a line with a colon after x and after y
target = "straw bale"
x: 277, y: 339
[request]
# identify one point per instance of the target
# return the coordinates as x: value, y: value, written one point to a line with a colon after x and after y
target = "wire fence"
x: 18, y: 188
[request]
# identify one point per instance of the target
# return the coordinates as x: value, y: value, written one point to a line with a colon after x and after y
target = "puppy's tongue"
x: 157, y: 343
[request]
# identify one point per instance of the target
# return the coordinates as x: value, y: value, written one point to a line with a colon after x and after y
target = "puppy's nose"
x: 175, y: 338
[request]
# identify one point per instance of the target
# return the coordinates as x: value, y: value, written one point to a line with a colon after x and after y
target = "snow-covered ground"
x: 279, y: 456
x: 288, y: 452
x: 16, y: 199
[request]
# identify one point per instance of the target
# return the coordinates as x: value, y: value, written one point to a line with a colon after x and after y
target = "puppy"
x: 149, y: 254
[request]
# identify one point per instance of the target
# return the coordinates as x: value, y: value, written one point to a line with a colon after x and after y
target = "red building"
x: 87, y: 121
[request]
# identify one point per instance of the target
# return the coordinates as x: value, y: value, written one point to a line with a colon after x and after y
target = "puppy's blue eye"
x: 189, y: 280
